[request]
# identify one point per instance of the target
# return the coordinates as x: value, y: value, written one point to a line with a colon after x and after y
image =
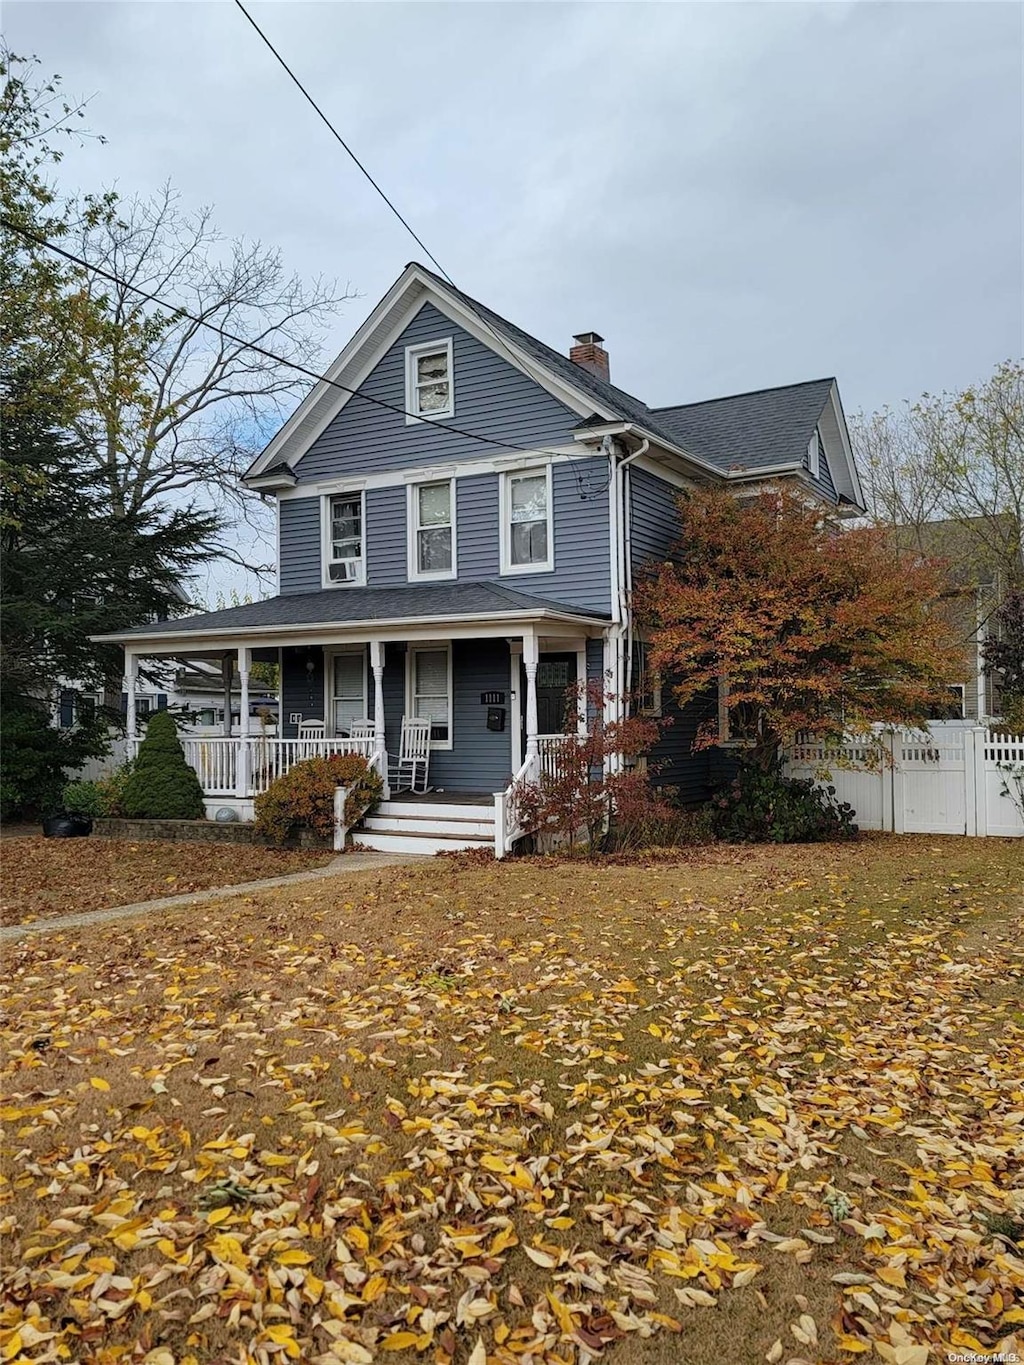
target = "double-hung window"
x: 430, y: 690
x: 429, y: 382
x: 348, y: 690
x: 345, y: 547
x: 526, y: 531
x: 432, y: 530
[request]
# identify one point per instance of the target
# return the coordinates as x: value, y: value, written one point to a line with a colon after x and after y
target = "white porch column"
x: 530, y: 660
x: 242, y: 766
x: 379, y: 741
x: 516, y: 703
x: 131, y: 678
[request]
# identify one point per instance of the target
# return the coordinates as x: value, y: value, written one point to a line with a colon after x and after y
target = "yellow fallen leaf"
x: 399, y: 1341
x: 478, y: 1355
x: 98, y: 1083
x: 216, y: 1216
x: 294, y: 1258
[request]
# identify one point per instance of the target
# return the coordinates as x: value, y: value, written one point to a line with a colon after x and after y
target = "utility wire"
x: 401, y: 218
x: 345, y: 147
x: 178, y: 311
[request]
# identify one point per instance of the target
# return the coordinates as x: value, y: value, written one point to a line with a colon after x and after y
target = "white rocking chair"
x: 311, y: 732
x: 409, y: 771
x: 364, y: 732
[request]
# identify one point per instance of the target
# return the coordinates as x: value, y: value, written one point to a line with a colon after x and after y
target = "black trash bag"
x: 63, y: 826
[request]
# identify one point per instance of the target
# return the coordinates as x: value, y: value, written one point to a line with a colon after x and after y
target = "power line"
x: 344, y: 145
x: 491, y: 330
x: 178, y: 311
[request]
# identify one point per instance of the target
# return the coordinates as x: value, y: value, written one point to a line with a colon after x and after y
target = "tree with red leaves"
x: 808, y: 626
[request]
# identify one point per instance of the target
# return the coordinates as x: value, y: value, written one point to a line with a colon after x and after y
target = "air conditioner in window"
x: 345, y: 570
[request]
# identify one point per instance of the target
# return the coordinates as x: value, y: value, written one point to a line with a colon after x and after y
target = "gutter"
x: 367, y: 627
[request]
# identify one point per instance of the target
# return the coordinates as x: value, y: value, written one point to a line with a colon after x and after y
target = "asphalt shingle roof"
x: 754, y: 430
x: 345, y: 606
x: 770, y: 426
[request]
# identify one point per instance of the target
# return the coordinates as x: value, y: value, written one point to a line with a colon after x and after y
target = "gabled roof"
x: 355, y: 606
x: 759, y: 429
x: 736, y: 434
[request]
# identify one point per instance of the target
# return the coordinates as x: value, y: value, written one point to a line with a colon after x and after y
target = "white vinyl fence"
x: 947, y: 780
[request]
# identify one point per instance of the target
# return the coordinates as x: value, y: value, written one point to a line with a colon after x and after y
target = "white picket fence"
x: 943, y: 781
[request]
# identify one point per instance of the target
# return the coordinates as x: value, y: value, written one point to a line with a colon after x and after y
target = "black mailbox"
x: 496, y: 718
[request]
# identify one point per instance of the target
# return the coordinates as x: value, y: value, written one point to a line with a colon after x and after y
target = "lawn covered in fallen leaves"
x: 42, y: 878
x: 758, y: 1105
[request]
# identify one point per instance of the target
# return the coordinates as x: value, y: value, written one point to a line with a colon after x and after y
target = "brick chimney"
x: 589, y: 353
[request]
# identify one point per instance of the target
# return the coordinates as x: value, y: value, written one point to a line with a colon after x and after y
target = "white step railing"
x: 510, y: 820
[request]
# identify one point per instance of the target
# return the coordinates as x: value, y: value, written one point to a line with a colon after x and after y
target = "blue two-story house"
x: 461, y: 511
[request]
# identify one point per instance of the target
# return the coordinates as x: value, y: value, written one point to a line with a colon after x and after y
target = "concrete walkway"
x: 337, y: 867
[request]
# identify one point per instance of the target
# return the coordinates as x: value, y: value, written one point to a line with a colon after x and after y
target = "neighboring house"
x: 201, y: 698
x: 973, y: 551
x: 461, y: 510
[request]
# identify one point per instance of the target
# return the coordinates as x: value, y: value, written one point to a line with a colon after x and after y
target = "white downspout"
x: 621, y: 569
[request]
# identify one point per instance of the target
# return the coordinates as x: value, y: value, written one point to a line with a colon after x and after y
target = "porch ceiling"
x: 359, y: 612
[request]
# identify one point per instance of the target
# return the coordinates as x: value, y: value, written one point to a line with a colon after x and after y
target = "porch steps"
x: 423, y: 826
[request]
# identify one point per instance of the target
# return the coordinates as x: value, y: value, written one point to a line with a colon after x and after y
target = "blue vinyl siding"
x: 492, y: 399
x: 300, y: 569
x: 581, y: 574
x: 654, y: 516
x: 673, y: 756
x: 387, y: 553
x: 481, y: 759
x: 580, y: 577
x: 302, y: 691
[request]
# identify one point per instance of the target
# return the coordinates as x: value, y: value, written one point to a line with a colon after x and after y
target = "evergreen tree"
x: 162, y: 785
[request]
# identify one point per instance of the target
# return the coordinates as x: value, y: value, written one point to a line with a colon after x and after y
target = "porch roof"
x: 418, y: 604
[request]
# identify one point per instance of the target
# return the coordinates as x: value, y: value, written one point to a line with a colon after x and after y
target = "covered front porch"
x: 480, y: 670
x: 494, y: 704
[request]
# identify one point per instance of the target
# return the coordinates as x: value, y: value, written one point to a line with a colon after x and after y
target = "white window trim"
x: 508, y: 569
x: 813, y: 455
x: 412, y: 354
x: 430, y: 647
x: 329, y: 657
x: 417, y: 575
x: 326, y: 541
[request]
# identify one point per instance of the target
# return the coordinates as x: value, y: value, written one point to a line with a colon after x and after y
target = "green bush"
x: 83, y: 798
x: 104, y: 797
x: 162, y: 786
x: 766, y: 807
x: 304, y: 795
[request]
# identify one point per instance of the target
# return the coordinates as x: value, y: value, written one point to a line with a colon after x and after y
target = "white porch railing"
x: 243, y: 766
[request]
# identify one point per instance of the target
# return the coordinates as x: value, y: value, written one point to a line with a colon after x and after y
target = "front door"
x: 555, y: 673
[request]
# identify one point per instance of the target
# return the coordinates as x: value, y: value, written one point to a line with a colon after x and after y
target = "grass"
x: 459, y: 1112
x: 42, y: 878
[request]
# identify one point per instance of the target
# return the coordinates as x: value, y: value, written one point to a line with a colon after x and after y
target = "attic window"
x: 429, y: 383
x: 814, y: 454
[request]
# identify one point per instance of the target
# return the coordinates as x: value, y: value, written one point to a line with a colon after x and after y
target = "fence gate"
x: 933, y: 772
x: 956, y: 779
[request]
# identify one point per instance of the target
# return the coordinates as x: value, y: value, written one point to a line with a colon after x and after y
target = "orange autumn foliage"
x: 814, y: 627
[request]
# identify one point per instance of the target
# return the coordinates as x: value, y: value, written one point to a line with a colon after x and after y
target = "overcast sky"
x: 734, y: 194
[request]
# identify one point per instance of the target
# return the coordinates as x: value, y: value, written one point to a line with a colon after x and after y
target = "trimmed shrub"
x: 162, y: 786
x: 304, y: 795
x: 763, y: 806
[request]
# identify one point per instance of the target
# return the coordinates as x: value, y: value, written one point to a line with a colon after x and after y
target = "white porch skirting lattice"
x: 944, y: 781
